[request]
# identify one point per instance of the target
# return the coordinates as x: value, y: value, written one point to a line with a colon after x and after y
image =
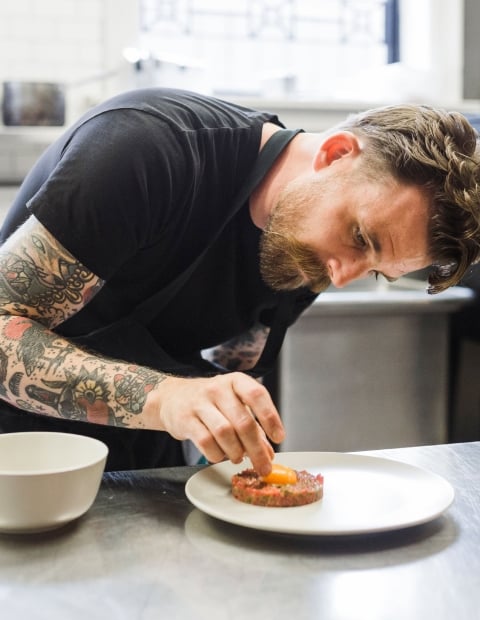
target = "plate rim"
x: 233, y: 519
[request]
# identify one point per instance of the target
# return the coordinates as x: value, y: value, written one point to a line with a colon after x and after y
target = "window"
x: 303, y: 49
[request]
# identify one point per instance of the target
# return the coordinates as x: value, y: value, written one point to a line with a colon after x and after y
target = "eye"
x: 359, y: 238
x: 376, y: 275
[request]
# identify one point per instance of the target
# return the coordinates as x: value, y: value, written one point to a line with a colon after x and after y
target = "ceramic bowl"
x: 47, y: 479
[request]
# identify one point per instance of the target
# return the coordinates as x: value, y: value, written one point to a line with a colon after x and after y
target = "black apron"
x: 129, y: 339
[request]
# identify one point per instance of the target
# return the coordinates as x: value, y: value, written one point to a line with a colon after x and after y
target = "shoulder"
x: 182, y: 109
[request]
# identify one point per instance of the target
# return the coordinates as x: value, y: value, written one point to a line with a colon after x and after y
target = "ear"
x: 336, y: 146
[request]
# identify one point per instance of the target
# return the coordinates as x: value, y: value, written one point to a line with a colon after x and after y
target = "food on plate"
x: 282, y: 488
x: 281, y: 474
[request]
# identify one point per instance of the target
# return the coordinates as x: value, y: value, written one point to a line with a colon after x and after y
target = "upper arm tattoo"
x: 40, y: 279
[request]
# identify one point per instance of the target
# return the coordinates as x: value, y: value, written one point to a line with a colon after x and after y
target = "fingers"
x: 240, y: 409
x: 258, y: 400
x: 227, y: 416
x: 220, y: 438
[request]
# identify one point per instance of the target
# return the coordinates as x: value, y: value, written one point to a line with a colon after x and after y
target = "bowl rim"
x: 56, y: 470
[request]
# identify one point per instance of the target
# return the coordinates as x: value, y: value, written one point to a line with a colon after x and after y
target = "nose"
x: 343, y: 272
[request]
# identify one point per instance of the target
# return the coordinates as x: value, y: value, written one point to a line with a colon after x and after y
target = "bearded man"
x: 165, y: 224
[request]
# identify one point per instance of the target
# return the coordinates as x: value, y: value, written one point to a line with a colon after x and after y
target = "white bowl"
x: 47, y: 479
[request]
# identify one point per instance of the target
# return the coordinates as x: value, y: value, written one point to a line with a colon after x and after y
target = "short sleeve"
x: 97, y: 201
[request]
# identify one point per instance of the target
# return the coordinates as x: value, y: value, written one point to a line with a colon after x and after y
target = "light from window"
x: 265, y: 48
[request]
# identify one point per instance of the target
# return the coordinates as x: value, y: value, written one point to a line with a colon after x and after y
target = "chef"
x: 158, y: 251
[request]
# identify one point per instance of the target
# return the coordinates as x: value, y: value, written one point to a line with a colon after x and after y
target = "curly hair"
x: 439, y: 152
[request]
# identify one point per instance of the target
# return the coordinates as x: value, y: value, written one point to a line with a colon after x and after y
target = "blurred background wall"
x: 313, y: 61
x: 299, y: 50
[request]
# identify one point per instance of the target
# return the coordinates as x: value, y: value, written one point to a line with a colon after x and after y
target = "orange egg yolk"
x: 280, y: 474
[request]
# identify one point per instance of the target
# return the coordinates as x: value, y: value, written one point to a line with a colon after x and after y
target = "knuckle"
x: 246, y: 424
x: 236, y: 456
x: 256, y: 396
x: 203, y: 445
x: 213, y: 388
x: 224, y: 430
x: 211, y: 451
x: 256, y: 391
x: 205, y: 442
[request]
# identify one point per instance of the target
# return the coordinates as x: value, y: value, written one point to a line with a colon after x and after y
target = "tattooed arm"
x: 243, y: 352
x: 42, y: 285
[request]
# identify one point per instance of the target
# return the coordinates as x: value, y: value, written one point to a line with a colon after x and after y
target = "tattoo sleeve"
x: 41, y: 285
x: 241, y: 353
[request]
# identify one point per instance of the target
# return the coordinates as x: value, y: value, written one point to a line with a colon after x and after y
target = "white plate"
x: 362, y: 494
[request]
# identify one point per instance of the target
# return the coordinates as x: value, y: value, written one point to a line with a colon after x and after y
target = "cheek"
x: 323, y: 239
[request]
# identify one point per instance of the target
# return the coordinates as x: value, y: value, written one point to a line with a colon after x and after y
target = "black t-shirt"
x: 135, y: 191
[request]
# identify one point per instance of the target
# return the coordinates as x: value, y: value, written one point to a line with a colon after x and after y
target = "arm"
x: 42, y: 285
x: 241, y: 353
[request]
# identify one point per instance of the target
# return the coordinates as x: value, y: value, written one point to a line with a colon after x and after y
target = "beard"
x: 285, y: 262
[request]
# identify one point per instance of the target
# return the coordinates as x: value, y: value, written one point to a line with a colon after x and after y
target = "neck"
x: 295, y: 159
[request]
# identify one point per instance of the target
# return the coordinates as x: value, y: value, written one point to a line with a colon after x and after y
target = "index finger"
x: 256, y: 397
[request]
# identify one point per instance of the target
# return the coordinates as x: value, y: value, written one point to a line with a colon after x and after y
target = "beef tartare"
x: 249, y: 487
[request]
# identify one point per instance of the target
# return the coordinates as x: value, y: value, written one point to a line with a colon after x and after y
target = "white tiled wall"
x: 78, y: 43
x: 50, y: 39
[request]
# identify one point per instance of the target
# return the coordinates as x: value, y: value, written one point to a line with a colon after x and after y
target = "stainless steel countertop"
x: 143, y: 552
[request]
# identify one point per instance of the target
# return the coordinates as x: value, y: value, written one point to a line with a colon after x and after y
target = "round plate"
x: 362, y: 494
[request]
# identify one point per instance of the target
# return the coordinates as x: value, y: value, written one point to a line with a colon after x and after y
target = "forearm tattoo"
x: 42, y: 372
x: 242, y: 353
x: 41, y: 285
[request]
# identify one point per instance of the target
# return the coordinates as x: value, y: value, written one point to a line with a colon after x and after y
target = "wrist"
x: 152, y: 409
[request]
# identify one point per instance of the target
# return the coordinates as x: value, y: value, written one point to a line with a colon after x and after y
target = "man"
x: 141, y: 239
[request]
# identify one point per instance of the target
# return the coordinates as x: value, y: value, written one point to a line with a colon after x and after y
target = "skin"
x: 348, y: 227
x: 352, y: 231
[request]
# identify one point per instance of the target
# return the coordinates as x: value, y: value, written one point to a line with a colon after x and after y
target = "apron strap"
x: 276, y: 336
x: 148, y: 309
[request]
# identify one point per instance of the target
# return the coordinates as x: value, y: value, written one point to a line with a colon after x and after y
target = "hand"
x: 227, y: 416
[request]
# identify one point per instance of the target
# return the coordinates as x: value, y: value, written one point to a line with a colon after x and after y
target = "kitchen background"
x: 313, y: 62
